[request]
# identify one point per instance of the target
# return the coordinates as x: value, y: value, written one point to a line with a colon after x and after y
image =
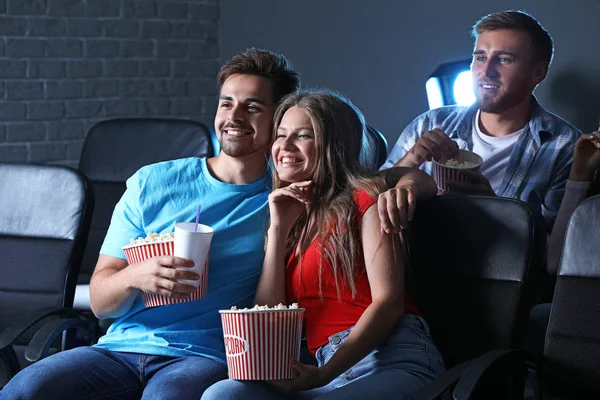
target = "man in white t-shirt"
x: 526, y: 151
x: 495, y: 152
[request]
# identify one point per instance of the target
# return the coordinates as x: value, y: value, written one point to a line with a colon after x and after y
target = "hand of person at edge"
x: 586, y: 158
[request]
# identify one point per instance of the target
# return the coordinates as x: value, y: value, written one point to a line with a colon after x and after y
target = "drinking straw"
x: 197, y: 218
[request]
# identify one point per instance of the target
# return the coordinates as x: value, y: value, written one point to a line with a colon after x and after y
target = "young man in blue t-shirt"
x: 176, y: 351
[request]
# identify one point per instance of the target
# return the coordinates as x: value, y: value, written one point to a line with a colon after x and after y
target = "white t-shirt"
x: 495, y: 152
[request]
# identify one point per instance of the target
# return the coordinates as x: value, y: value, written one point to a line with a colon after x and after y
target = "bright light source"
x: 450, y: 84
x: 463, y: 89
x: 434, y: 93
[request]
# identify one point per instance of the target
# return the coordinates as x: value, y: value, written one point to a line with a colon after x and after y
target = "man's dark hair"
x: 272, y: 66
x: 541, y: 40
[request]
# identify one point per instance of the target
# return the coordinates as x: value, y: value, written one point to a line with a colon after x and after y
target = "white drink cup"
x: 194, y: 246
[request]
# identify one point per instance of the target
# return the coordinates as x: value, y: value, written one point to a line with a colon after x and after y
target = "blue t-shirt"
x: 157, y: 197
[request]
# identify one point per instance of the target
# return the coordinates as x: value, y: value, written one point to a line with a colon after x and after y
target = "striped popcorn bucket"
x: 443, y: 173
x: 260, y: 343
x: 141, y: 252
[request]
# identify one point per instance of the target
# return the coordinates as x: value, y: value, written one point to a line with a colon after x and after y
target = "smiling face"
x: 244, y: 116
x: 294, y: 150
x: 504, y: 70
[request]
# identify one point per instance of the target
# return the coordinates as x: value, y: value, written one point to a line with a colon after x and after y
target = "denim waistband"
x: 414, y: 321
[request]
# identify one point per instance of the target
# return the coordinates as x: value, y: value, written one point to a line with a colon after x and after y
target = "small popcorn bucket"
x: 260, y: 343
x: 443, y: 173
x: 142, y: 252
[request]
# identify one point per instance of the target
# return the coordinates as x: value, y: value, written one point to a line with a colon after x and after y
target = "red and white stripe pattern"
x: 443, y: 174
x: 259, y: 344
x: 136, y: 254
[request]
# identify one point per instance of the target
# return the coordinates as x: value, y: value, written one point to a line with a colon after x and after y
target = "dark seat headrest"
x: 115, y: 149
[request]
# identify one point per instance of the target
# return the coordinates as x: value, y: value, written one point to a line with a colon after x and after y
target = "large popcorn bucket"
x: 142, y: 252
x: 443, y: 173
x: 260, y: 343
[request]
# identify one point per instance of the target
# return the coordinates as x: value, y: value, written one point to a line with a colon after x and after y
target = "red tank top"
x: 327, y: 316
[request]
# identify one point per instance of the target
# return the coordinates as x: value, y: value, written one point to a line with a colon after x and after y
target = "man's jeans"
x: 398, y: 369
x: 95, y: 373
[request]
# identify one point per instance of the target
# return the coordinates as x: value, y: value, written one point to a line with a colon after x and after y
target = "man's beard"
x: 232, y: 149
x: 235, y: 150
x: 497, y: 104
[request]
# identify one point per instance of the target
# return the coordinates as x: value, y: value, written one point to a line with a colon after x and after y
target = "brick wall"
x: 67, y: 64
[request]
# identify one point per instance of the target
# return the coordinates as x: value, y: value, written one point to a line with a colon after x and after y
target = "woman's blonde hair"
x: 338, y: 130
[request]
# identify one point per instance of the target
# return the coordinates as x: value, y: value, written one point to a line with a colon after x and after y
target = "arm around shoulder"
x: 397, y: 205
x: 405, y: 177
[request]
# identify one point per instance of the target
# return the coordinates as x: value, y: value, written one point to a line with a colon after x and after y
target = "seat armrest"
x: 10, y: 363
x: 510, y: 360
x: 443, y: 383
x: 42, y: 340
x: 17, y: 328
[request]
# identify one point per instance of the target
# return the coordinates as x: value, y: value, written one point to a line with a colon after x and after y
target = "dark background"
x: 67, y: 64
x: 381, y: 52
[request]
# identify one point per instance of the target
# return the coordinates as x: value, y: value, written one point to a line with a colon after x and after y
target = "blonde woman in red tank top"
x: 326, y: 250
